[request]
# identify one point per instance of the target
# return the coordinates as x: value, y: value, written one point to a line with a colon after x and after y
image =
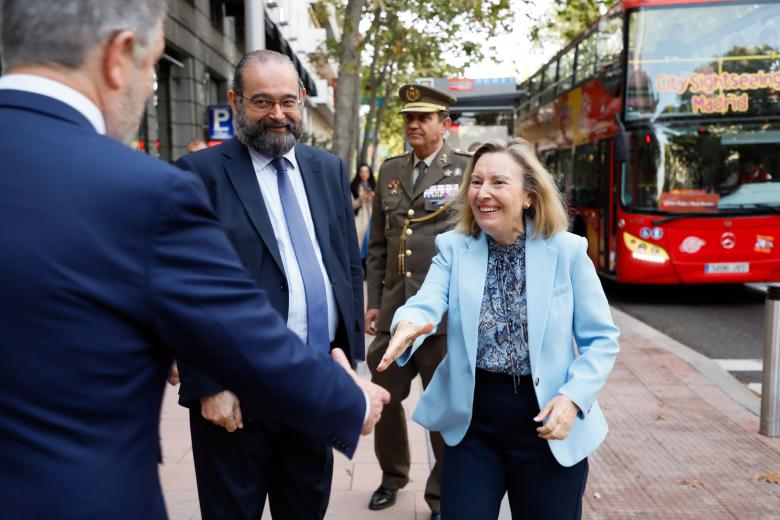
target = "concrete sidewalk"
x: 682, y: 444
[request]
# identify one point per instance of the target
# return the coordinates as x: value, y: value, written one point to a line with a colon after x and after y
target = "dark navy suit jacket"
x: 112, y: 263
x: 232, y: 186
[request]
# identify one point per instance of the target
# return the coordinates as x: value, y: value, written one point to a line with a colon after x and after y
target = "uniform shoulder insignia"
x: 464, y: 154
x: 394, y: 157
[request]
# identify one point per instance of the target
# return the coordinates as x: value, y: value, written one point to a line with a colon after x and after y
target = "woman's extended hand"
x: 403, y: 336
x: 560, y: 413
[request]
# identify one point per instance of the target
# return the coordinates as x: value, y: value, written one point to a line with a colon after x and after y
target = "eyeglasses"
x: 265, y: 105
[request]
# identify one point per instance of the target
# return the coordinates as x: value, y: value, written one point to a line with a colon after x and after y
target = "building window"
x: 217, y: 14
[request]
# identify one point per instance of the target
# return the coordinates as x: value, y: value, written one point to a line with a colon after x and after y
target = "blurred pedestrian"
x: 196, y: 144
x: 519, y: 290
x: 287, y: 211
x: 411, y: 207
x: 115, y: 263
x: 362, y: 188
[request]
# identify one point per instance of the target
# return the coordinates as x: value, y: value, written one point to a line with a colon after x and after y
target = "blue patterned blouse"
x: 502, y: 346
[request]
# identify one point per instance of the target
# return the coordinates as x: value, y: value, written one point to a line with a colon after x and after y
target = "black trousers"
x: 236, y: 471
x: 500, y: 453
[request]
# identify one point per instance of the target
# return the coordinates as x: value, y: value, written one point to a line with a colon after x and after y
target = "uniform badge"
x: 438, y: 195
x: 457, y: 172
x: 393, y: 186
x: 412, y: 94
x: 447, y: 172
x: 444, y: 159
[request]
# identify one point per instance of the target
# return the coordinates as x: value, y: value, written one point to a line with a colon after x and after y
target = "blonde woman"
x: 530, y: 344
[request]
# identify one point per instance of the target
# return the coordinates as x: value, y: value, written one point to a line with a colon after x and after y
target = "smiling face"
x: 497, y: 196
x: 274, y: 129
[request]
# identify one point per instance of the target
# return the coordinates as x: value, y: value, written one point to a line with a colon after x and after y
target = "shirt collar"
x: 428, y: 160
x: 59, y: 91
x: 263, y: 161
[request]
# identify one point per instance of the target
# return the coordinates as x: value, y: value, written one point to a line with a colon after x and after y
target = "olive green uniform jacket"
x: 400, y: 209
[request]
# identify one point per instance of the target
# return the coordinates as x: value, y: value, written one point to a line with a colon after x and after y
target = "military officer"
x: 411, y: 207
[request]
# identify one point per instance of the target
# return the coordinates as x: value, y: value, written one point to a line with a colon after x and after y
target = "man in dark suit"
x: 112, y: 263
x: 241, y: 455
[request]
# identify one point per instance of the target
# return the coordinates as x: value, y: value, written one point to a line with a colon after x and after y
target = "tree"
x: 567, y: 19
x: 402, y: 40
x: 345, y: 136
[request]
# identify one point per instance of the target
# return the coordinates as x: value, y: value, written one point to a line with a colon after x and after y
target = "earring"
x: 527, y: 205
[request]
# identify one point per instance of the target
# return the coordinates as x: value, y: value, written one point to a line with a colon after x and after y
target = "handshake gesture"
x: 378, y: 397
x: 223, y: 408
x: 403, y: 336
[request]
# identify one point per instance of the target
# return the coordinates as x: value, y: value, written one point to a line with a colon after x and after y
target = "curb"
x: 708, y: 368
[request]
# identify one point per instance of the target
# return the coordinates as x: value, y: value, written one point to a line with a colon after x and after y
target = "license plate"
x: 727, y: 268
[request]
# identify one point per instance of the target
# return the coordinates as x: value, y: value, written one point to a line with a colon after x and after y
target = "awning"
x: 276, y: 42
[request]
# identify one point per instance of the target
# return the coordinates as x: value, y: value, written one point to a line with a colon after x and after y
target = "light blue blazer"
x: 566, y: 304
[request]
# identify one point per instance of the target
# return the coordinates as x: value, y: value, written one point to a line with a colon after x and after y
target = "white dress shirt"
x: 266, y: 178
x: 59, y: 91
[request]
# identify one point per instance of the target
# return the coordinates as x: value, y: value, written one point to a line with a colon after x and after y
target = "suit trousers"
x: 391, y: 439
x: 502, y: 452
x: 236, y: 471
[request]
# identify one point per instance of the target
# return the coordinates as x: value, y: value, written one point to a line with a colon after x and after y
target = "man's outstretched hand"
x: 378, y: 397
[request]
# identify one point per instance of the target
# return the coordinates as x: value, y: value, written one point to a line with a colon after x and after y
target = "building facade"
x: 204, y: 40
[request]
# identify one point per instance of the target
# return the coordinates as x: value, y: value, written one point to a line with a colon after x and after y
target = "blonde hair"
x: 548, y: 209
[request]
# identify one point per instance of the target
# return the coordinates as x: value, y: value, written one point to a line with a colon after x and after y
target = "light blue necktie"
x: 316, y: 301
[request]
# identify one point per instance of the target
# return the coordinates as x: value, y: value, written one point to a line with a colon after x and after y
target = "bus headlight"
x: 645, y: 251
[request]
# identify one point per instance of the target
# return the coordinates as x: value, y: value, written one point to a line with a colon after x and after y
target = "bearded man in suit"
x: 287, y: 209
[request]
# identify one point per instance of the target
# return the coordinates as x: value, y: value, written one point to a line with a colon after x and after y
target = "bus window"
x: 684, y: 167
x: 586, y: 58
x: 566, y: 71
x: 585, y: 192
x: 609, y: 45
x: 704, y: 61
x: 550, y: 77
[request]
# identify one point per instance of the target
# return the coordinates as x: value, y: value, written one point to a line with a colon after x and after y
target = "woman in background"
x: 515, y: 398
x: 362, y: 187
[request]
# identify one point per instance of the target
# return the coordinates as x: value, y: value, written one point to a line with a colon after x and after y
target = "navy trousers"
x: 500, y: 453
x: 237, y: 471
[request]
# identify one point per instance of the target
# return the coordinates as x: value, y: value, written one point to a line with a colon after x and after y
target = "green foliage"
x: 567, y: 19
x: 406, y: 39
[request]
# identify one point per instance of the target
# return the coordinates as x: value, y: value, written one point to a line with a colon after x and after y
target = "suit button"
x: 410, y: 212
x: 408, y: 274
x: 408, y: 252
x: 408, y: 232
x: 536, y: 382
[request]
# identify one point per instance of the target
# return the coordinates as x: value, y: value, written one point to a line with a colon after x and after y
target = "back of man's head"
x: 63, y: 32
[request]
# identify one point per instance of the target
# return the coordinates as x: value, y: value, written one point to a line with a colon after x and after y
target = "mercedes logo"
x: 728, y: 240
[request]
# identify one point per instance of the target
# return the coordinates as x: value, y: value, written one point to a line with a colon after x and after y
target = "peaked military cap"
x: 419, y: 98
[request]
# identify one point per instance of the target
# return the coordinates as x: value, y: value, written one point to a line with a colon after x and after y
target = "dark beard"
x: 255, y: 135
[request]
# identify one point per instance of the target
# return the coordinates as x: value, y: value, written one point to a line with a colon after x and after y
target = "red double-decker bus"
x: 661, y: 123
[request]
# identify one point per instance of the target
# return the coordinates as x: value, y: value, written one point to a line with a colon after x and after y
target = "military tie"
x: 422, y: 169
x: 318, y: 337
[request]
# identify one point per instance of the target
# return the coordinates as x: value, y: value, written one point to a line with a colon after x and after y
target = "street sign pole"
x: 770, y: 385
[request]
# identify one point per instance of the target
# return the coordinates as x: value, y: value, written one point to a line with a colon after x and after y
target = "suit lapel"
x: 241, y: 173
x: 313, y: 182
x: 471, y: 282
x: 436, y: 171
x: 540, y: 264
